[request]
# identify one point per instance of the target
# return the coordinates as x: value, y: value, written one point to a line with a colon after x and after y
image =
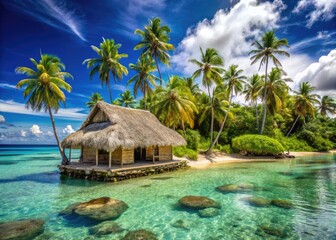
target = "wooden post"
x: 81, y: 154
x: 153, y: 151
x: 140, y: 154
x: 70, y: 154
x: 96, y: 157
x: 171, y: 152
x: 121, y: 160
x: 110, y: 158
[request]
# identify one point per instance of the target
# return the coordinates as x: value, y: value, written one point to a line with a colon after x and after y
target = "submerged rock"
x: 281, y: 203
x: 100, y: 209
x: 235, y: 188
x: 208, y: 212
x: 186, y: 225
x: 257, y: 201
x: 140, y: 235
x: 198, y: 202
x: 264, y: 230
x: 105, y: 228
x: 22, y: 229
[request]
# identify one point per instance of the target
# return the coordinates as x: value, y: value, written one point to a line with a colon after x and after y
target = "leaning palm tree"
x: 43, y: 88
x: 304, y: 101
x: 107, y: 63
x: 252, y: 90
x: 276, y: 89
x: 126, y: 99
x: 264, y: 52
x: 327, y: 105
x: 175, y: 105
x: 154, y: 43
x: 194, y: 88
x: 211, y: 67
x: 144, y: 79
x: 94, y: 98
x: 233, y: 82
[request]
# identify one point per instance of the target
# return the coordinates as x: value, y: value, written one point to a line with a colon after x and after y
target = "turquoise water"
x: 31, y: 187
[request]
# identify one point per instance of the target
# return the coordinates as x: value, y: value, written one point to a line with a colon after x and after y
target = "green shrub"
x: 225, y: 148
x: 257, y: 144
x: 292, y: 143
x: 204, y: 144
x: 191, y: 154
x: 179, y: 151
x: 193, y: 138
x: 316, y: 140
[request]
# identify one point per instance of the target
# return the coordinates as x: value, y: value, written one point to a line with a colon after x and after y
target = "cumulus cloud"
x: 323, y: 10
x: 231, y: 32
x: 2, y: 119
x: 7, y: 86
x: 35, y: 130
x: 321, y: 74
x: 23, y: 133
x: 68, y: 129
x: 49, y: 133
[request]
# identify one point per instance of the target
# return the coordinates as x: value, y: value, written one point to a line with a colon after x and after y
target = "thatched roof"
x: 122, y: 127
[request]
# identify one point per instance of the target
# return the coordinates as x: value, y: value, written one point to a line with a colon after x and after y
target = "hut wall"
x: 99, y: 117
x: 128, y: 156
x: 89, y: 154
x: 149, y: 153
x: 117, y: 156
x: 165, y: 153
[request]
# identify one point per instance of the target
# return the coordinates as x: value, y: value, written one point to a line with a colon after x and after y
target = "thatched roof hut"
x: 110, y: 127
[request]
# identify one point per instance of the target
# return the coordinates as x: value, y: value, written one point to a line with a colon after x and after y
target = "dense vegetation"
x: 300, y: 120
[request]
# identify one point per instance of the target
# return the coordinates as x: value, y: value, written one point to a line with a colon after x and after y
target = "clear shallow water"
x: 32, y: 188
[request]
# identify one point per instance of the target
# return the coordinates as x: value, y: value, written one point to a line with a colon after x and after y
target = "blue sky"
x: 68, y: 29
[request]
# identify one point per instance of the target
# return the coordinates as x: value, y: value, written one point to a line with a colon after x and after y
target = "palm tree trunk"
x: 145, y: 98
x: 109, y: 89
x: 222, y: 126
x: 293, y: 125
x: 157, y: 66
x: 65, y: 160
x: 212, y: 117
x: 265, y: 94
x: 257, y: 114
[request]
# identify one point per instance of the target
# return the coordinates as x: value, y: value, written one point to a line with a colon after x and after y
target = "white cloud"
x: 68, y: 113
x: 35, y: 130
x: 2, y: 119
x: 68, y: 129
x: 8, y: 86
x: 119, y: 87
x: 323, y: 10
x: 57, y: 14
x: 322, y: 38
x: 49, y: 133
x: 321, y: 74
x: 231, y: 32
x: 23, y: 133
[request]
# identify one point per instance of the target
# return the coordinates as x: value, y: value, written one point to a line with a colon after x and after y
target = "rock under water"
x: 105, y: 228
x: 235, y: 188
x: 198, y: 202
x: 281, y: 203
x: 22, y: 229
x: 140, y: 235
x: 208, y: 212
x: 257, y: 201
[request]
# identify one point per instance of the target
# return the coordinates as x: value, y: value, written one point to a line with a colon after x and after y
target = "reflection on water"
x: 32, y: 188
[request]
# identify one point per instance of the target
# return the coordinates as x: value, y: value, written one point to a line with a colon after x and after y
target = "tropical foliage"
x: 94, y: 98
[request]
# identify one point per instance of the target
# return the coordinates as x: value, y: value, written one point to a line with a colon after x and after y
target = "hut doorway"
x: 139, y: 154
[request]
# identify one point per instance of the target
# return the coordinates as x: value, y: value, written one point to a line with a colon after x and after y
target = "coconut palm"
x: 154, y: 43
x: 94, y: 98
x: 264, y: 52
x: 233, y: 82
x: 144, y: 79
x: 107, y: 63
x: 252, y: 91
x: 304, y: 101
x: 211, y: 67
x: 194, y: 89
x: 327, y: 105
x: 174, y: 105
x: 126, y: 99
x: 276, y: 89
x: 43, y: 88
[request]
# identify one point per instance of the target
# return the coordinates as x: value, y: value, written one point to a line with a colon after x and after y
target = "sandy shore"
x: 219, y: 158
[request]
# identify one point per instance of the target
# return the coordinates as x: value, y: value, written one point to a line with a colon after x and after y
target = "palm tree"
x: 174, y: 105
x: 304, y: 102
x: 194, y: 89
x: 327, y: 105
x: 43, y: 88
x: 252, y: 92
x: 144, y: 79
x: 264, y: 52
x: 126, y: 99
x: 107, y: 63
x: 233, y: 82
x: 211, y: 67
x: 276, y: 89
x: 94, y: 98
x: 155, y: 42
